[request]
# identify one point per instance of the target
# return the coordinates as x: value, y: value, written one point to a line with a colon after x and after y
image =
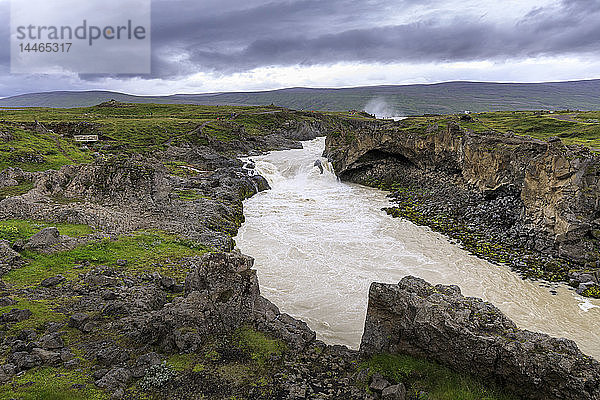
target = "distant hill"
x: 442, y: 98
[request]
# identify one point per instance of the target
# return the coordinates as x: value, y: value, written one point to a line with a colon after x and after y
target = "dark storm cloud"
x: 4, y: 33
x: 317, y: 32
x: 226, y: 36
x: 198, y: 28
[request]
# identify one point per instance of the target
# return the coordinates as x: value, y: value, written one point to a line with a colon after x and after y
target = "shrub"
x: 157, y: 376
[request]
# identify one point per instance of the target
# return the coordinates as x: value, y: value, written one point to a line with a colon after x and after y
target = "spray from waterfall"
x: 379, y: 107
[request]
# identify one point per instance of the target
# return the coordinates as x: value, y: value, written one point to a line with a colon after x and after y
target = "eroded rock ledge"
x: 511, y: 194
x: 473, y: 336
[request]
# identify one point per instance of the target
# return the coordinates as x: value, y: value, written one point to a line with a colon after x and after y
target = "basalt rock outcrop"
x: 542, y: 196
x: 470, y: 335
x: 202, y: 201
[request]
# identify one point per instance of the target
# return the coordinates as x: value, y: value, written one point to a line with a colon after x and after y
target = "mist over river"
x: 319, y: 243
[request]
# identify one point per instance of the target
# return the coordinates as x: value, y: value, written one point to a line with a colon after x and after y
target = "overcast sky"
x: 229, y: 45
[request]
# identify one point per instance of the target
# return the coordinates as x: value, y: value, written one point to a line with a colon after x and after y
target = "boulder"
x: 585, y: 286
x: 220, y: 293
x: 114, y: 379
x: 394, y: 392
x: 8, y: 255
x: 78, y: 320
x: 23, y: 360
x: 111, y: 355
x: 47, y: 357
x: 51, y: 341
x: 15, y: 315
x: 378, y: 383
x: 472, y: 336
x: 7, y: 371
x: 52, y: 281
x: 44, y: 239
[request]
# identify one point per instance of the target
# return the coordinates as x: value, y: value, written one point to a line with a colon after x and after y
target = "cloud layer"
x: 227, y: 40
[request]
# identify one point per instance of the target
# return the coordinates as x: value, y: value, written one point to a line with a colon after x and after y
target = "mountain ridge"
x: 417, y: 99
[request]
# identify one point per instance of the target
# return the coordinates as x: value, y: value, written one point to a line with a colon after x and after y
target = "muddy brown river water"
x: 319, y: 243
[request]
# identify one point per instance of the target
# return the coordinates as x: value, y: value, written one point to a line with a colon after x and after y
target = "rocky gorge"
x: 120, y: 278
x: 530, y: 203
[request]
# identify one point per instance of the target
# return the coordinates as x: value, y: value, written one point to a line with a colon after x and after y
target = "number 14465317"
x: 45, y: 47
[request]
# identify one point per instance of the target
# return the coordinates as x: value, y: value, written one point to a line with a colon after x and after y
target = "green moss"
x: 572, y: 129
x: 129, y: 128
x: 257, y: 345
x: 439, y: 382
x: 52, y: 384
x: 182, y: 362
x: 146, y: 252
x: 189, y: 195
x: 60, y: 199
x: 37, y: 151
x: 592, y: 291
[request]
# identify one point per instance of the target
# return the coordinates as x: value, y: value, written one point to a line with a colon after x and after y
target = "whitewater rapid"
x: 318, y: 244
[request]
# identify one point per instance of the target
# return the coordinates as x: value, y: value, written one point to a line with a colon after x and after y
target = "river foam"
x: 319, y: 243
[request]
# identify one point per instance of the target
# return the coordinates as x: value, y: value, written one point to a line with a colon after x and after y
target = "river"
x: 318, y: 243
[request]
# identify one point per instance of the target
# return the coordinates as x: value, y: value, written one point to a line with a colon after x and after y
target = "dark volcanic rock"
x: 48, y: 357
x: 114, y: 379
x: 23, y: 360
x: 15, y: 315
x: 143, y: 362
x: 8, y: 255
x: 219, y: 296
x: 395, y: 392
x: 51, y: 341
x: 44, y: 239
x: 470, y: 335
x: 52, y: 281
x: 78, y: 320
x: 110, y: 355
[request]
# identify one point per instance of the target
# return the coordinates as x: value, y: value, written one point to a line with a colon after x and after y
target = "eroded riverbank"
x: 319, y: 243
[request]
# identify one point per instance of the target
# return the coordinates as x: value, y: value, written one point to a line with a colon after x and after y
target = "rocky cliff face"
x: 470, y: 335
x: 546, y: 193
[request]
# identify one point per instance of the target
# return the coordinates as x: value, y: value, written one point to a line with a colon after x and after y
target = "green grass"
x: 541, y: 125
x: 14, y: 229
x: 37, y: 151
x: 23, y: 187
x: 128, y: 128
x: 146, y: 252
x: 535, y: 124
x: 46, y: 383
x: 42, y: 313
x: 178, y: 168
x: 439, y: 382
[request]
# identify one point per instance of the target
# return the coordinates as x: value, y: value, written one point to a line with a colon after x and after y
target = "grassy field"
x: 438, y: 382
x: 573, y: 128
x: 36, y: 139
